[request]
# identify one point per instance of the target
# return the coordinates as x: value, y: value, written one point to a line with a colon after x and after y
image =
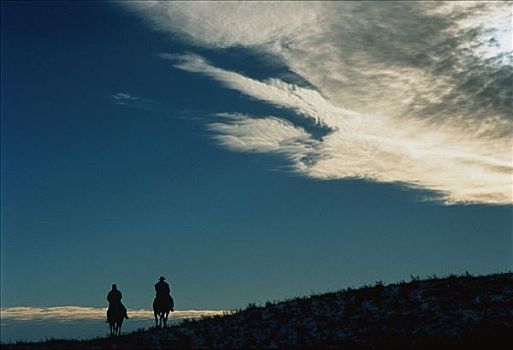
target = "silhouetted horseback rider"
x: 115, y: 304
x: 163, y: 293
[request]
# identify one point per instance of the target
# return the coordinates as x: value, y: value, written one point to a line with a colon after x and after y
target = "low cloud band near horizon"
x: 79, y: 313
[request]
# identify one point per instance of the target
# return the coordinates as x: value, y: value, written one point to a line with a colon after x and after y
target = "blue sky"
x: 250, y: 156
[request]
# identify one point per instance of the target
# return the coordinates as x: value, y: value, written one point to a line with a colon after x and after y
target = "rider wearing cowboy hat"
x: 164, y: 293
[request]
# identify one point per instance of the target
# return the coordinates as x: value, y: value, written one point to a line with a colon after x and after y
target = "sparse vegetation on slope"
x: 453, y: 312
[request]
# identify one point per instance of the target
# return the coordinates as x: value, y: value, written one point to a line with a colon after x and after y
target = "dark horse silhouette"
x: 162, y: 305
x: 115, y: 316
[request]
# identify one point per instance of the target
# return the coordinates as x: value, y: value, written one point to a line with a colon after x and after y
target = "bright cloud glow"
x: 405, y: 91
x: 496, y: 35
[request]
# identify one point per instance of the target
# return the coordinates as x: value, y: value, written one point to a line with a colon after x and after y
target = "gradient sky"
x: 250, y: 152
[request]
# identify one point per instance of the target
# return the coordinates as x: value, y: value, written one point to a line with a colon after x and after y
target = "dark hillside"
x: 454, y: 312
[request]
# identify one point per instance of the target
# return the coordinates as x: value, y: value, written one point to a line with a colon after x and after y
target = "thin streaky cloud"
x: 129, y: 100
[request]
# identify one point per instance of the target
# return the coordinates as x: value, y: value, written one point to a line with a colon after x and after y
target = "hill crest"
x: 450, y: 312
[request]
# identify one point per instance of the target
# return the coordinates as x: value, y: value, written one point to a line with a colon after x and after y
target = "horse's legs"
x: 156, y: 319
x: 164, y: 316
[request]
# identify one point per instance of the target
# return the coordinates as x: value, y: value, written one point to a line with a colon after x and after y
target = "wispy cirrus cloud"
x: 126, y: 99
x: 418, y: 94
